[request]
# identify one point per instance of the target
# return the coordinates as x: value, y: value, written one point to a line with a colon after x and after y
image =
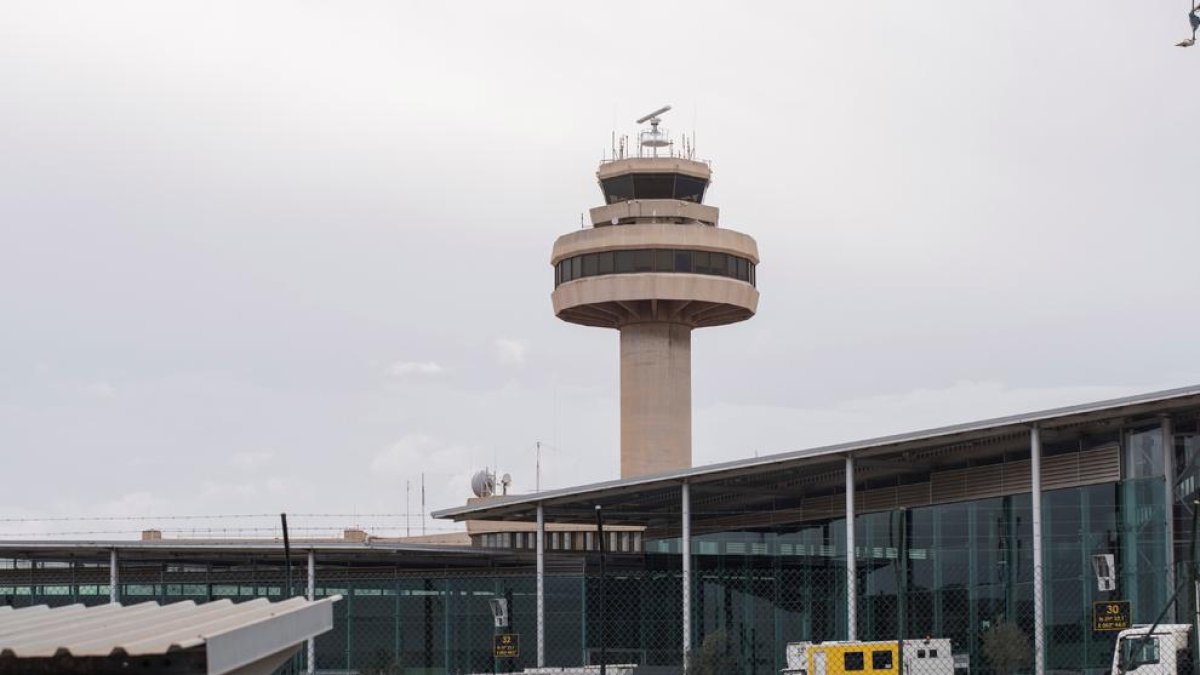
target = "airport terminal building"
x: 977, y: 533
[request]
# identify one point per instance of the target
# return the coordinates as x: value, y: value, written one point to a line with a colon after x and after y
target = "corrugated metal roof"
x: 522, y: 505
x: 147, y: 629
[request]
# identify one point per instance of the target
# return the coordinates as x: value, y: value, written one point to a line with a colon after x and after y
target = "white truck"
x: 1166, y: 651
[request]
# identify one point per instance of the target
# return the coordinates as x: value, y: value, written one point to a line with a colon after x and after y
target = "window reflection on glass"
x: 689, y: 189
x: 589, y: 264
x: 663, y: 260
x: 619, y: 189
x: 1144, y: 453
x: 683, y: 261
x: 643, y: 260
x: 604, y: 264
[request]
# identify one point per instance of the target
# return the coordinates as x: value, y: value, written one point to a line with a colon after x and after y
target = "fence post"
x: 685, y: 549
x: 312, y: 595
x: 114, y: 577
x: 1168, y: 448
x: 851, y: 578
x: 1035, y: 463
x: 541, y: 586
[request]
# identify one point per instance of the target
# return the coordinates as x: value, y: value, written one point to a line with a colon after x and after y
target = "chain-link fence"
x: 941, y: 590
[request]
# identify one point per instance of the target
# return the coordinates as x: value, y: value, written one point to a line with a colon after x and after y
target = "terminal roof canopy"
x: 793, y: 486
x: 250, y: 637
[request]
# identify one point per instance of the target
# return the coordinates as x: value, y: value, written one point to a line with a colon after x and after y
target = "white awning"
x: 249, y: 637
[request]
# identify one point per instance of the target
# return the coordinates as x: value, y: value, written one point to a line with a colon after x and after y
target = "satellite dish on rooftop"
x: 483, y: 483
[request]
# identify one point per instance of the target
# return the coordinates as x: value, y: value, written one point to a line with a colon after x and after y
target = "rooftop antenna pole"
x: 423, y: 518
x: 287, y: 552
x: 538, y: 471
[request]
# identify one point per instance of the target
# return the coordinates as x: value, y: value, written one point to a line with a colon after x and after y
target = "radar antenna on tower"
x: 654, y: 138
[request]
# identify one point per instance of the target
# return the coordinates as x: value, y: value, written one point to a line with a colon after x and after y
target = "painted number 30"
x: 1112, y: 609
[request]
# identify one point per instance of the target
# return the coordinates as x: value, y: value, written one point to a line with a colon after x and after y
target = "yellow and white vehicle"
x: 921, y: 657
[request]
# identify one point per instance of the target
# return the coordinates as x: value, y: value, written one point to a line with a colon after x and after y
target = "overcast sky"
x: 258, y: 257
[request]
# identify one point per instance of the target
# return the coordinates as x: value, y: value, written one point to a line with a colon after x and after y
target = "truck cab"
x: 1166, y: 651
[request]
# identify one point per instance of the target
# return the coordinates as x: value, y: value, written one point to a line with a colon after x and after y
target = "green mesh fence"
x: 953, y: 581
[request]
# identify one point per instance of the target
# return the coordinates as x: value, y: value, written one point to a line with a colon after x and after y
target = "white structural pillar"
x: 1168, y: 447
x: 851, y: 575
x: 114, y: 576
x: 312, y: 595
x: 685, y: 549
x: 541, y: 586
x: 1039, y: 587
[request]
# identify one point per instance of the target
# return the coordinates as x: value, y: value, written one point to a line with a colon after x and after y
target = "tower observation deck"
x: 655, y: 265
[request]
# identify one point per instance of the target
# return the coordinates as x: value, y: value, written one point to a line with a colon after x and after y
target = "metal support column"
x: 851, y: 578
x: 114, y: 577
x: 1168, y: 447
x: 541, y: 586
x: 685, y: 549
x: 312, y: 595
x: 1039, y: 588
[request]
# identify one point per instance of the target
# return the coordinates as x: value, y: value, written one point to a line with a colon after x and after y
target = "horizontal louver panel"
x: 1101, y: 465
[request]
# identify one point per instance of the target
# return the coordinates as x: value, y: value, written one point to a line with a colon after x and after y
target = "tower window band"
x: 654, y: 260
x: 653, y: 186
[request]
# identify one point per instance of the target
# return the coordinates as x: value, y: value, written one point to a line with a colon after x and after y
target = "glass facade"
x: 654, y: 260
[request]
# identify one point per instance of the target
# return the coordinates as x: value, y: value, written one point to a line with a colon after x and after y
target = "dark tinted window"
x: 653, y: 185
x: 689, y: 189
x: 653, y: 260
x: 619, y: 189
x: 881, y: 660
x: 933, y: 653
x: 604, y: 263
x: 852, y: 661
x: 717, y: 262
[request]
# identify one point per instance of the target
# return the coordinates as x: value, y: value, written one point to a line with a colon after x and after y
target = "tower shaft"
x: 656, y: 398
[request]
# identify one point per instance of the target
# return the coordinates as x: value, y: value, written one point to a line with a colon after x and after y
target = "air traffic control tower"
x: 654, y: 265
